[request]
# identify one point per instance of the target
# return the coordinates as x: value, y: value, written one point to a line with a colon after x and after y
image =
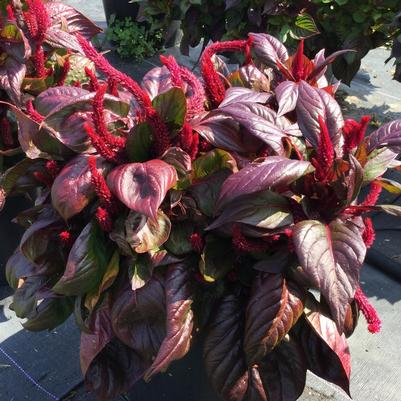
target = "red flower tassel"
x: 373, y: 195
x: 174, y: 68
x: 100, y: 185
x: 99, y: 144
x: 325, y: 153
x: 298, y: 70
x: 369, y: 232
x: 113, y: 87
x: 65, y: 69
x: 104, y: 219
x: 93, y: 82
x: 371, y: 316
x: 354, y: 133
x: 215, y: 88
x: 10, y: 12
x: 243, y: 244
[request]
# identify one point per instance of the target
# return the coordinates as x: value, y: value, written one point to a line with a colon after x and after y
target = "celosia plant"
x: 187, y: 209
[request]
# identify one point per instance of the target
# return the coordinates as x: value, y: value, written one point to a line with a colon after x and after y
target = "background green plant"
x: 331, y: 24
x: 133, y: 40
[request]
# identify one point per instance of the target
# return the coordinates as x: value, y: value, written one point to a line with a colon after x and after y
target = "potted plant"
x: 180, y: 211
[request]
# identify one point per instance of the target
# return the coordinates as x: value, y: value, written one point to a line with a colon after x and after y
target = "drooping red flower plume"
x: 65, y: 69
x: 325, y: 153
x: 215, y: 88
x: 99, y: 144
x: 104, y: 219
x: 196, y: 102
x: 354, y: 133
x: 93, y: 82
x: 10, y: 12
x: 160, y: 130
x: 174, y: 69
x: 371, y: 316
x: 102, y: 190
x: 113, y: 87
x: 375, y: 190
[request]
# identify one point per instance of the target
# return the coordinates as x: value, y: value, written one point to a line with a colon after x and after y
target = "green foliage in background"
x: 331, y: 24
x: 133, y: 40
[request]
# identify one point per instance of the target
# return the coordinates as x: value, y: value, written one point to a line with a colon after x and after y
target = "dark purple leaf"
x: 86, y: 264
x: 287, y: 97
x: 223, y: 354
x: 232, y: 3
x: 179, y: 322
x: 157, y: 81
x: 139, y: 319
x: 268, y: 48
x: 248, y: 116
x: 12, y: 74
x: 142, y: 186
x: 354, y: 179
x: 180, y: 160
x: 144, y: 234
x: 273, y: 309
x: 14, y: 43
x: 265, y: 209
x: 224, y: 132
x: 275, y: 263
x: 244, y: 95
x: 326, y: 350
x: 331, y: 256
x: 393, y: 210
x: 72, y: 190
x: 315, y: 102
x: 283, y: 371
x: 273, y: 173
x: 388, y: 135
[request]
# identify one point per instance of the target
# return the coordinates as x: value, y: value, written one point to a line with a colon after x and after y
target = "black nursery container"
x: 121, y: 9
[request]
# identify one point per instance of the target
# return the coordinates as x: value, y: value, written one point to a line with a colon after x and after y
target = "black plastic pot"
x: 120, y: 8
x: 10, y: 233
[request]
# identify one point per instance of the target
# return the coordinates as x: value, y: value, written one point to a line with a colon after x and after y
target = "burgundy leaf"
x: 157, y: 81
x: 243, y: 95
x: 139, y: 319
x: 142, y: 186
x: 266, y: 210
x: 72, y: 190
x: 354, y: 179
x: 250, y: 77
x: 12, y: 74
x: 273, y: 173
x: 273, y: 309
x: 65, y: 17
x: 331, y: 256
x: 283, y: 371
x: 268, y: 48
x: 224, y: 359
x: 321, y: 62
x: 388, y: 135
x: 179, y: 322
x: 224, y: 132
x: 287, y: 97
x: 315, y: 102
x: 108, y: 366
x: 248, y: 116
x: 325, y: 348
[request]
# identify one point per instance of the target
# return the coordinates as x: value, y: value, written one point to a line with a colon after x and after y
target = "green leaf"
x: 378, y: 162
x: 305, y: 26
x: 341, y: 2
x: 139, y: 143
x: 212, y: 162
x: 87, y: 262
x: 217, y: 259
x: 172, y: 107
x: 359, y: 16
x: 179, y: 240
x: 141, y: 271
x: 391, y: 186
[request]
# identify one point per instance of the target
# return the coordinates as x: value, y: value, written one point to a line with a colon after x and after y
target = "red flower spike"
x: 369, y: 232
x: 124, y: 80
x: 104, y: 219
x: 115, y: 143
x: 196, y: 103
x: 93, y: 82
x: 215, y: 88
x: 354, y: 133
x: 39, y: 62
x: 174, y: 68
x: 52, y: 168
x: 6, y: 133
x: 38, y: 12
x: 10, y: 12
x: 298, y: 70
x: 325, y: 153
x: 160, y: 132
x: 204, y: 146
x: 371, y: 316
x: 243, y: 244
x: 248, y: 53
x: 197, y: 242
x: 99, y: 144
x: 65, y: 69
x: 98, y: 181
x: 77, y: 84
x: 186, y: 137
x: 113, y: 87
x: 195, y: 146
x: 36, y: 116
x: 373, y: 195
